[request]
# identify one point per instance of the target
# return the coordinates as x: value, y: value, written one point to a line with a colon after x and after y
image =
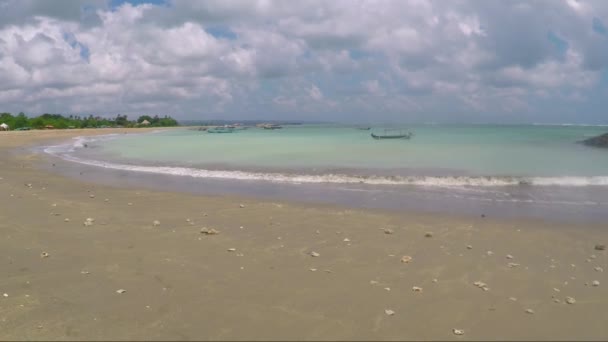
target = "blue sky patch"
x: 598, y: 26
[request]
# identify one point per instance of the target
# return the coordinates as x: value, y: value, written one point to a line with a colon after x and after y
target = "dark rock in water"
x: 599, y: 141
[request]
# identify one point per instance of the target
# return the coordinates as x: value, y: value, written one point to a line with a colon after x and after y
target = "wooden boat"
x: 399, y: 134
x: 224, y: 129
x: 272, y: 126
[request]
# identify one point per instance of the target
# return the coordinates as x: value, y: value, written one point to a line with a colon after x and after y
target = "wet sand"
x: 180, y: 284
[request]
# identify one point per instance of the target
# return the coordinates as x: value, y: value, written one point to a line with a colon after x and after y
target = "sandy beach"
x: 141, y: 269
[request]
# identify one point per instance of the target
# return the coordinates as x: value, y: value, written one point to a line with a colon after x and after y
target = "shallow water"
x: 536, y: 171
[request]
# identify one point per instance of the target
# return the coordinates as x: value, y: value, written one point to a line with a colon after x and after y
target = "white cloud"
x: 269, y: 58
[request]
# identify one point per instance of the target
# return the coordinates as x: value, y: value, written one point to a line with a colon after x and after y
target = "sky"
x: 483, y: 61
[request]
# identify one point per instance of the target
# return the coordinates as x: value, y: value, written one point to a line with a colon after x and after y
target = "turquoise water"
x: 434, y: 151
x: 513, y: 171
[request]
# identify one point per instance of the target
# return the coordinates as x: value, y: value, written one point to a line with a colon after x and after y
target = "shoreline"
x: 577, y: 204
x: 181, y: 284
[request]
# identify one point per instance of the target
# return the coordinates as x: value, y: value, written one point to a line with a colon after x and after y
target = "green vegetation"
x: 59, y: 121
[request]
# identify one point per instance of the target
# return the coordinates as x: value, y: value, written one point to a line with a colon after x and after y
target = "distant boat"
x: 393, y: 134
x: 272, y: 126
x: 364, y: 128
x: 221, y: 129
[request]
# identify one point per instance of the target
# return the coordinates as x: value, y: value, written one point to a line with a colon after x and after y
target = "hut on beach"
x: 145, y: 123
x: 4, y: 127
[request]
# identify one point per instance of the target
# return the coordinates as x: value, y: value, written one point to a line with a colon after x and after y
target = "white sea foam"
x: 65, y: 152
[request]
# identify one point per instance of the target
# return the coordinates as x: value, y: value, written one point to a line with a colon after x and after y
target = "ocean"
x: 523, y: 170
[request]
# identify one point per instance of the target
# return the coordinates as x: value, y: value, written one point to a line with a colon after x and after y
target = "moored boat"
x: 393, y: 134
x: 221, y: 129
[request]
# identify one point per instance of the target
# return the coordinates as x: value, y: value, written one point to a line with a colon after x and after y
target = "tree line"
x: 76, y: 121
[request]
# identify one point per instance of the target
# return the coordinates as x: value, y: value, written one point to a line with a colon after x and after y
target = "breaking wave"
x: 65, y: 152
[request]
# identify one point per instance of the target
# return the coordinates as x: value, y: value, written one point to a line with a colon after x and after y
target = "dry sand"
x: 180, y: 284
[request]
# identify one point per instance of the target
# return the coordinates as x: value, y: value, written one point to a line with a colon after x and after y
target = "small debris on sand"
x: 406, y: 259
x: 44, y: 255
x: 388, y: 231
x: 428, y: 234
x: 129, y: 203
x: 85, y: 272
x: 595, y: 283
x: 313, y: 270
x: 512, y: 264
x: 530, y: 311
x: 387, y: 288
x: 513, y: 299
x: 490, y: 253
x: 556, y: 300
x: 314, y: 254
x: 555, y: 289
x: 106, y: 200
x: 469, y: 247
x: 458, y: 332
x: 509, y: 256
x: 435, y: 280
x: 241, y: 206
x: 416, y: 289
x: 592, y: 256
x: 208, y: 231
x: 346, y: 240
x: 481, y: 285
x: 156, y: 223
x: 91, y: 196
x: 598, y: 269
x: 5, y: 295
x: 600, y: 247
x: 66, y: 220
x: 121, y: 291
x: 88, y: 222
x: 231, y: 249
x: 389, y: 312
x: 373, y: 282
x: 570, y: 300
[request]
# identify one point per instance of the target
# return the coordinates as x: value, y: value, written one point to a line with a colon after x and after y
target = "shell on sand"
x: 121, y: 291
x: 482, y: 285
x: 388, y: 231
x: 416, y: 289
x: 509, y: 256
x: 44, y: 255
x: 241, y: 206
x: 66, y: 219
x: 346, y: 240
x: 208, y: 231
x: 389, y: 312
x: 406, y: 259
x: 314, y: 254
x: 598, y: 269
x: 512, y: 264
x: 529, y: 311
x: 458, y: 332
x: 570, y: 300
x: 469, y: 247
x: 595, y: 283
x: 513, y: 299
x: 231, y: 249
x: 156, y: 223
